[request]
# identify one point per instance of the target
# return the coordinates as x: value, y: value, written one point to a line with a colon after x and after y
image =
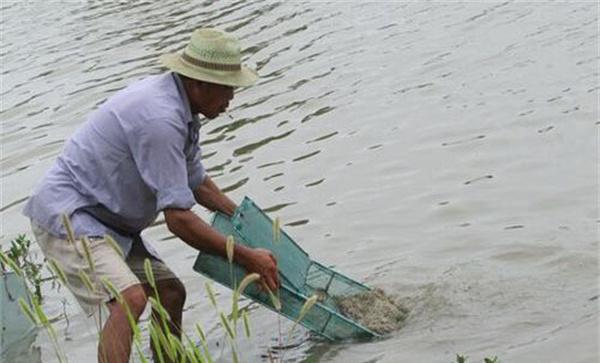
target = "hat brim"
x: 242, y: 78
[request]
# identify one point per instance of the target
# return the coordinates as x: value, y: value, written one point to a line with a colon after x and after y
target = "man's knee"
x: 136, y: 299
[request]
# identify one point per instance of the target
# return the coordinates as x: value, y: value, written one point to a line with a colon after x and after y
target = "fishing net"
x: 300, y: 276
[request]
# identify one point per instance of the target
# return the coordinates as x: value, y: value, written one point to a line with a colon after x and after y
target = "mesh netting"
x: 301, y: 277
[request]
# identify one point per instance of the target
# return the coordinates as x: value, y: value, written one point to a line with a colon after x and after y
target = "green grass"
x: 18, y: 258
x: 169, y: 347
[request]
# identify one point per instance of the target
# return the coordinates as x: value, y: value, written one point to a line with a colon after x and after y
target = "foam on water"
x: 374, y: 310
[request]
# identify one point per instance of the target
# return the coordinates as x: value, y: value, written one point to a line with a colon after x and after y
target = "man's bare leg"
x: 117, y: 335
x: 172, y: 297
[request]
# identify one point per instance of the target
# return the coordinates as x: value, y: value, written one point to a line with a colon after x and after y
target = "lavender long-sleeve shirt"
x: 135, y: 156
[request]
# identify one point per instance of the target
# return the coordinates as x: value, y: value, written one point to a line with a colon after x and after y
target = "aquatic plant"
x: 168, y: 347
x: 19, y: 259
x: 251, y: 278
x: 38, y: 317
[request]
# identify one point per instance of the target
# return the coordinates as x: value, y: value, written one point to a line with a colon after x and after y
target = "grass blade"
x: 85, y: 278
x: 58, y: 271
x: 274, y: 299
x: 11, y: 263
x: 87, y: 252
x: 229, y: 247
x: 211, y: 295
x: 246, y: 321
x: 150, y: 276
x: 68, y: 228
x: 114, y: 245
x: 276, y: 230
x: 226, y: 325
x: 27, y: 311
x: 305, y: 309
x: 239, y: 291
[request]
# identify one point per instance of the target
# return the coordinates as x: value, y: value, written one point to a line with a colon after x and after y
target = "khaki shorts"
x: 108, y: 264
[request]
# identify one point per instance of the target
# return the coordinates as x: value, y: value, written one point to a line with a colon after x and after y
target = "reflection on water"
x: 441, y: 151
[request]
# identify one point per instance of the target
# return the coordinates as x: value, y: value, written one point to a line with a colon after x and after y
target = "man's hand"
x: 263, y: 262
x: 186, y: 225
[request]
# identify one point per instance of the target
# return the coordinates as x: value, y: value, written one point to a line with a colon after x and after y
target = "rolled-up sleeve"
x: 158, y: 152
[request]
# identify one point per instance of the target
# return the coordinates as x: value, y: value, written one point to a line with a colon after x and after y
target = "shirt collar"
x: 188, y: 113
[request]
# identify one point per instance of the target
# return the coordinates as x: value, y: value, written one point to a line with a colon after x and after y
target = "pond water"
x: 444, y: 152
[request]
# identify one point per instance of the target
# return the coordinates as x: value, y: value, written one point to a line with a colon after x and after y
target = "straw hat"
x: 212, y: 56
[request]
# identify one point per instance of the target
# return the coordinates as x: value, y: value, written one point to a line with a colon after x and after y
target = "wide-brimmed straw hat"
x: 212, y: 56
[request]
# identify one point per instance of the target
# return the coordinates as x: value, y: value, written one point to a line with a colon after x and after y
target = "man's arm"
x: 186, y: 225
x: 210, y: 196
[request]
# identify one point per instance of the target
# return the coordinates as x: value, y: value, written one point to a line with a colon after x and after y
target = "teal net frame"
x: 300, y: 276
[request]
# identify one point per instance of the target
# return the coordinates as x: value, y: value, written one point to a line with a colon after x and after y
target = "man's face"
x: 209, y: 99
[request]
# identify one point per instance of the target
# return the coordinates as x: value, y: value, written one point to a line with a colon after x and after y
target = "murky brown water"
x: 445, y: 152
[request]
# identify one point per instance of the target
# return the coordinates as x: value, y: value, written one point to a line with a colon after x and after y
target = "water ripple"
x: 402, y: 108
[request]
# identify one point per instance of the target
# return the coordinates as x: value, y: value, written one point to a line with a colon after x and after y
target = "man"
x: 138, y: 155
